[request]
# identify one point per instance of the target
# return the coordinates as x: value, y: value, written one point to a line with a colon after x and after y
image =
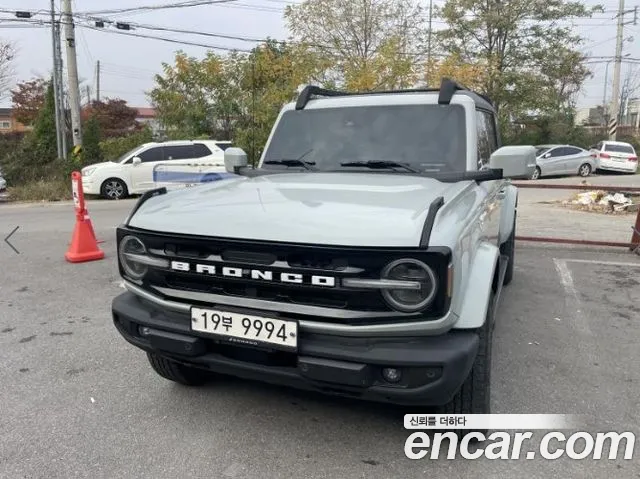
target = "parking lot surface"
x: 77, y: 401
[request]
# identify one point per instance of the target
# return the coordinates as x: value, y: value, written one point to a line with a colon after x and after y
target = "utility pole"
x: 98, y: 80
x: 615, y: 98
x: 429, y: 43
x: 72, y: 72
x: 61, y: 96
x: 88, y: 89
x: 604, y: 95
x: 56, y: 81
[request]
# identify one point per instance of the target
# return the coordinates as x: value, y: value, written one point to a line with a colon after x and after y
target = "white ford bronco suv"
x: 363, y: 256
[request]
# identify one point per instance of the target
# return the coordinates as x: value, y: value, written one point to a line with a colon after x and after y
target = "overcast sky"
x: 128, y: 64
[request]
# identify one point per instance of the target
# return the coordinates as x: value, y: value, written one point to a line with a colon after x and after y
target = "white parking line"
x: 595, y: 261
x: 579, y: 317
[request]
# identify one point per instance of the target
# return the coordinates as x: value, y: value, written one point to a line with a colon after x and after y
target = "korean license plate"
x: 246, y: 329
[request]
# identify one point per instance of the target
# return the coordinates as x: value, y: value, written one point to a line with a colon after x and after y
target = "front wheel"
x: 176, y: 372
x: 474, y: 396
x: 584, y: 170
x: 114, y: 189
x: 536, y: 173
x: 508, y: 249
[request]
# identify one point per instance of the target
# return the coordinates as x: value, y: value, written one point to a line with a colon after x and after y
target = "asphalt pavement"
x: 78, y: 401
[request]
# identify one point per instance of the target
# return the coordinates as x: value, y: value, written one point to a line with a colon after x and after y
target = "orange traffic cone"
x: 84, y: 246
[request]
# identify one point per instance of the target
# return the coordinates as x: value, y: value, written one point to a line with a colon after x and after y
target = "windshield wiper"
x: 294, y: 161
x: 291, y: 162
x: 379, y: 164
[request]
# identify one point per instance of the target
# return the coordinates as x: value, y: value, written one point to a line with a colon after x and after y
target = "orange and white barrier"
x: 84, y: 245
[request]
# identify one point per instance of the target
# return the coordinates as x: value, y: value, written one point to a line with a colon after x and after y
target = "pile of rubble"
x: 604, y: 202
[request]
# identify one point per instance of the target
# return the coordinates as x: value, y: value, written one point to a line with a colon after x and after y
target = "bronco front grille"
x: 303, y: 260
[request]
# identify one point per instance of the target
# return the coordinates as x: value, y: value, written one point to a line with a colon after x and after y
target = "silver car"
x: 556, y: 160
x: 3, y: 183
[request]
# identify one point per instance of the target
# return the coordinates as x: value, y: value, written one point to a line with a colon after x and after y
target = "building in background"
x: 590, y: 116
x: 631, y: 113
x: 8, y: 124
x: 148, y: 116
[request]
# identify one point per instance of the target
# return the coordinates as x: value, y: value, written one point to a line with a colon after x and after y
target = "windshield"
x: 541, y: 150
x: 126, y: 155
x: 619, y: 148
x: 429, y: 138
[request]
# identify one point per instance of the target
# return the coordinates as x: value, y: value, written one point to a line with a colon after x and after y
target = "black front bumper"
x: 433, y: 368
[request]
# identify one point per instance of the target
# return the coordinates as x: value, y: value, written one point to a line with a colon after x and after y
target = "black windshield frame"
x: 427, y: 137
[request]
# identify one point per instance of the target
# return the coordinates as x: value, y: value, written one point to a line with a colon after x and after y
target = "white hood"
x: 348, y: 209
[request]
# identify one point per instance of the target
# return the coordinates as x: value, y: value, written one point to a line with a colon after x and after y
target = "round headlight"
x: 410, y: 300
x: 130, y: 245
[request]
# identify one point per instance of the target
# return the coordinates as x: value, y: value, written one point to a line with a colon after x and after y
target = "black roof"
x: 447, y: 89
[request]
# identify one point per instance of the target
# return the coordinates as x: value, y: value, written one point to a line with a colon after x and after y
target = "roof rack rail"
x: 309, y: 90
x: 446, y: 91
x: 448, y: 88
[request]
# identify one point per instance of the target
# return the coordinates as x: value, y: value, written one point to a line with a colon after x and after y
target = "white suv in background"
x: 615, y: 156
x: 133, y: 172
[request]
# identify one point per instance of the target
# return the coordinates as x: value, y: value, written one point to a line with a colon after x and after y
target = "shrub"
x: 113, y: 148
x: 41, y: 190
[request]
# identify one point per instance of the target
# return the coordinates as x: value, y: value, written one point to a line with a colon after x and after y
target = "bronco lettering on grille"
x: 256, y: 274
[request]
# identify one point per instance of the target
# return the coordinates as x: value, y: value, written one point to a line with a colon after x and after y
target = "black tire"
x: 114, y: 189
x: 474, y: 397
x: 536, y: 173
x: 584, y: 170
x: 179, y: 373
x: 508, y: 248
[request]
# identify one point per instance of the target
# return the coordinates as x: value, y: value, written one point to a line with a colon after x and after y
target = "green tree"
x: 91, y: 151
x: 526, y: 47
x: 195, y: 97
x: 44, y: 136
x: 370, y: 44
x: 233, y: 97
x: 270, y: 77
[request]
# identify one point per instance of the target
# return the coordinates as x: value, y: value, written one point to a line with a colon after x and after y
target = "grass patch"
x: 42, y: 190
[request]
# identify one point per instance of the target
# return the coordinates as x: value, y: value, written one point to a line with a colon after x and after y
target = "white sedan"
x: 134, y: 172
x: 615, y: 156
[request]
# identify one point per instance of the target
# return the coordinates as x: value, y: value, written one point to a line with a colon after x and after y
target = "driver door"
x: 142, y: 173
x: 553, y: 162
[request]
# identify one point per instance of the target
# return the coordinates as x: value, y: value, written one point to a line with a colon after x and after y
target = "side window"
x: 178, y: 152
x: 557, y: 152
x: 487, y: 137
x: 152, y: 154
x: 491, y: 128
x: 599, y: 146
x: 484, y: 149
x: 571, y: 151
x: 200, y: 150
x: 223, y: 146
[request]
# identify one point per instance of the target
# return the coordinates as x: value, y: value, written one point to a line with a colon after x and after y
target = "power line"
x: 170, y: 40
x: 185, y: 4
x: 188, y: 32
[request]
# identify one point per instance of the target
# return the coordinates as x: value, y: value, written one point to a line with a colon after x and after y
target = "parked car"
x: 615, y: 156
x: 133, y: 172
x: 364, y: 257
x: 3, y: 182
x: 557, y: 160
